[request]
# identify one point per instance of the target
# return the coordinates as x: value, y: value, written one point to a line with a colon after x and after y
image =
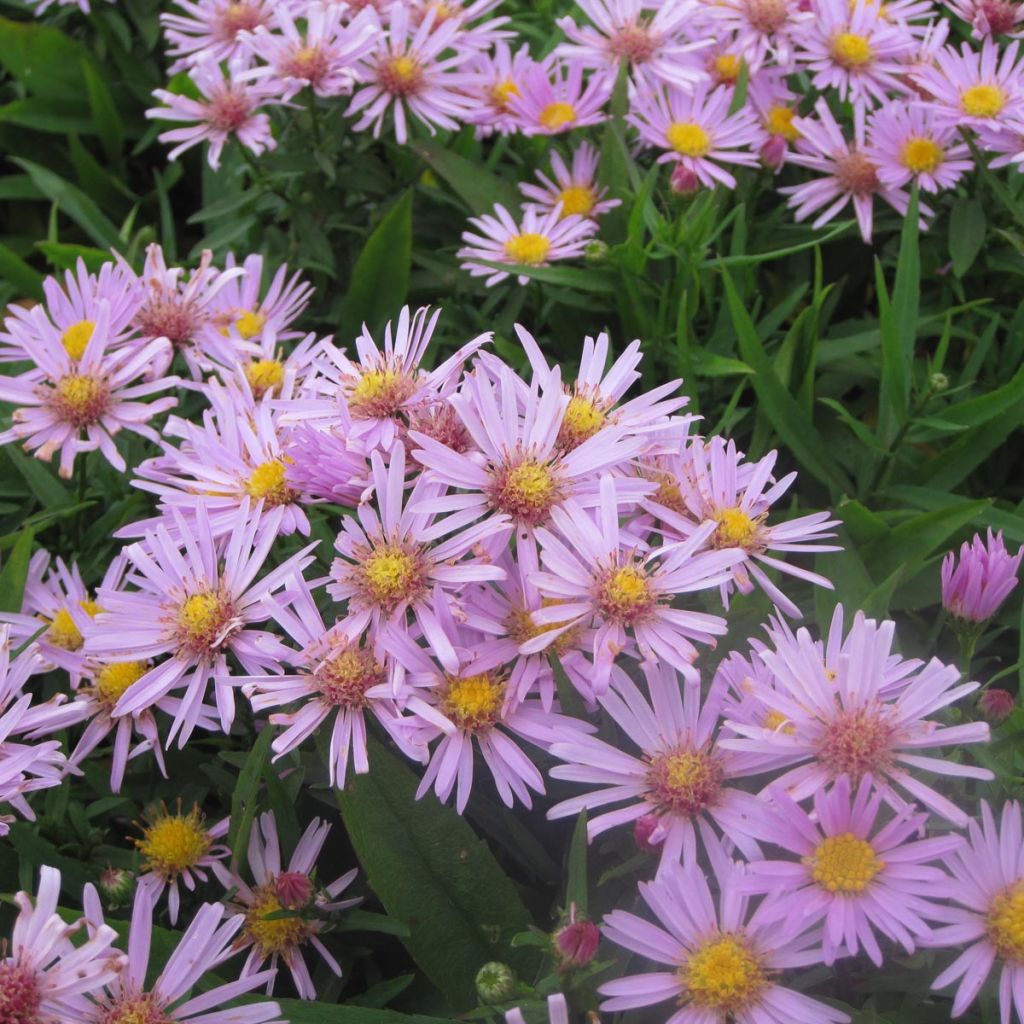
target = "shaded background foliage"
x: 890, y: 377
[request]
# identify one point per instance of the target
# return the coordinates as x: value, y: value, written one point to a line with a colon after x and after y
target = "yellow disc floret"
x: 920, y: 155
x: 557, y: 115
x: 850, y: 50
x: 62, y: 631
x: 528, y: 248
x: 982, y: 100
x: 113, y: 680
x: 583, y: 418
x: 526, y: 491
x: 684, y: 782
x: 380, y: 393
x: 173, y: 843
x: 577, y: 199
x: 1006, y: 923
x: 389, y: 575
x: 267, y: 482
x: 502, y: 92
x: 204, y: 620
x: 77, y: 337
x: 250, y: 323
x: 272, y: 935
x: 473, y: 702
x: 736, y: 529
x: 727, y: 67
x: 344, y: 678
x: 780, y: 122
x: 688, y: 138
x: 81, y: 400
x: 845, y: 864
x: 264, y: 375
x: 723, y: 975
x: 625, y: 595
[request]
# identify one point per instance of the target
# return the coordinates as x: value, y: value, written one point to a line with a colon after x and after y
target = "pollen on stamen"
x: 624, y: 595
x: 844, y: 864
x: 526, y: 489
x: 343, y: 678
x: 264, y: 375
x: 113, y: 680
x: 379, y: 393
x: 857, y: 742
x: 557, y: 115
x: 737, y: 529
x: 269, y: 934
x: 684, y: 782
x: 473, y: 703
x: 173, y: 843
x: 634, y: 43
x: 723, y: 975
x: 528, y: 248
x: 582, y: 419
x: 1006, y: 923
x: 19, y: 991
x: 390, y: 574
x: 204, y: 621
x: 688, y: 139
x: 62, y: 631
x: 80, y: 399
x: 77, y: 337
x: 134, y: 1009
x: 268, y: 483
x: 400, y: 75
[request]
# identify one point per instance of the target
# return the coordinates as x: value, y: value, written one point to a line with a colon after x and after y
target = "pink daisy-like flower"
x: 336, y: 675
x: 696, y: 130
x: 713, y: 489
x: 230, y: 107
x: 988, y: 885
x: 492, y: 79
x: 845, y: 723
x: 377, y: 395
x: 906, y: 143
x: 414, y: 71
x: 195, y: 601
x: 553, y: 98
x: 575, y: 187
x: 325, y: 465
x: 656, y: 47
x: 762, y: 31
x: 776, y: 107
x: 44, y: 977
x: 1007, y: 143
x: 681, y: 775
x: 598, y: 576
x: 322, y: 56
x: 212, y: 29
x: 976, y: 90
x: 540, y: 239
x: 856, y: 50
x: 850, y: 174
x: 393, y: 562
x: 974, y: 587
x: 990, y: 17
x: 94, y: 394
x: 861, y: 879
x: 724, y: 964
x: 205, y: 945
x: 284, y: 911
x: 473, y: 34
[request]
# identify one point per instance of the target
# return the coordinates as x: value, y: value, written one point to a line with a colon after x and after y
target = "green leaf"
x: 44, y: 485
x: 28, y: 281
x: 966, y: 233
x: 475, y: 186
x: 15, y: 572
x: 582, y: 280
x: 298, y: 1011
x: 380, y: 277
x: 244, y: 799
x: 576, y: 885
x: 428, y: 868
x: 73, y: 202
x: 44, y: 59
x: 64, y: 255
x: 104, y: 113
x: 788, y: 419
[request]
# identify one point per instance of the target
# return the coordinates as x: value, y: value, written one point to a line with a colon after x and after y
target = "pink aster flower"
x: 724, y: 965
x: 95, y: 395
x: 543, y: 237
x: 336, y: 675
x: 988, y: 885
x: 1007, y: 143
x: 975, y: 89
x: 393, y: 562
x: 974, y: 588
x: 44, y: 977
x: 763, y: 31
x: 205, y: 945
x: 322, y: 55
x: 906, y: 143
x: 990, y: 17
x: 415, y: 72
x: 696, y: 130
x: 849, y: 172
x: 714, y: 489
x: 596, y: 575
x: 325, y: 465
x: 277, y: 890
x: 553, y: 98
x: 856, y: 50
x: 201, y: 29
x: 492, y: 79
x: 862, y: 879
x: 776, y: 107
x: 844, y: 723
x: 681, y: 774
x: 377, y: 394
x: 194, y: 600
x: 575, y: 187
x: 656, y: 47
x: 474, y: 34
x: 230, y: 107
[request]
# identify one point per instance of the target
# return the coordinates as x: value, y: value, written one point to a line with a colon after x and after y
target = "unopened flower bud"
x: 683, y: 181
x: 117, y: 885
x: 293, y: 889
x: 595, y: 252
x: 997, y: 705
x: 974, y: 586
x: 773, y: 152
x: 576, y: 943
x: 642, y: 830
x: 495, y: 982
x: 939, y: 382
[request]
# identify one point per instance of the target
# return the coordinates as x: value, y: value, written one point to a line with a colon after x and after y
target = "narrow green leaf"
x: 429, y: 869
x: 64, y: 256
x: 104, y: 113
x: 380, y: 277
x: 52, y: 495
x: 966, y: 233
x: 244, y: 799
x: 475, y: 186
x: 28, y: 281
x: 581, y: 280
x: 15, y: 572
x: 47, y: 61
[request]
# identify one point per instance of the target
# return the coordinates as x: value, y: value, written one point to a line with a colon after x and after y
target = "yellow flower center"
x: 309, y: 62
x: 922, y: 156
x: 76, y: 337
x: 844, y: 864
x: 528, y: 248
x: 688, y: 138
x: 173, y: 843
x: 141, y: 1009
x: 390, y: 575
x: 380, y: 393
x: 727, y: 67
x: 473, y: 702
x: 526, y: 491
x: 723, y: 975
x: 502, y: 92
x: 736, y: 529
x: 780, y: 122
x: 625, y: 595
x: 204, y: 620
x: 264, y: 375
x: 62, y: 631
x: 268, y: 482
x: 684, y: 782
x: 982, y: 100
x: 851, y: 50
x: 521, y: 627
x: 273, y: 935
x: 344, y: 678
x: 578, y: 199
x: 401, y: 76
x: 582, y: 420
x: 778, y: 722
x: 81, y: 400
x: 250, y: 324
x: 113, y: 680
x: 557, y: 115
x: 1006, y: 923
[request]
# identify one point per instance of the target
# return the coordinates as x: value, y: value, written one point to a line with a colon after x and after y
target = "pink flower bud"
x: 642, y: 833
x: 683, y: 181
x: 974, y: 587
x: 293, y: 889
x: 576, y: 943
x: 997, y: 705
x: 773, y: 152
